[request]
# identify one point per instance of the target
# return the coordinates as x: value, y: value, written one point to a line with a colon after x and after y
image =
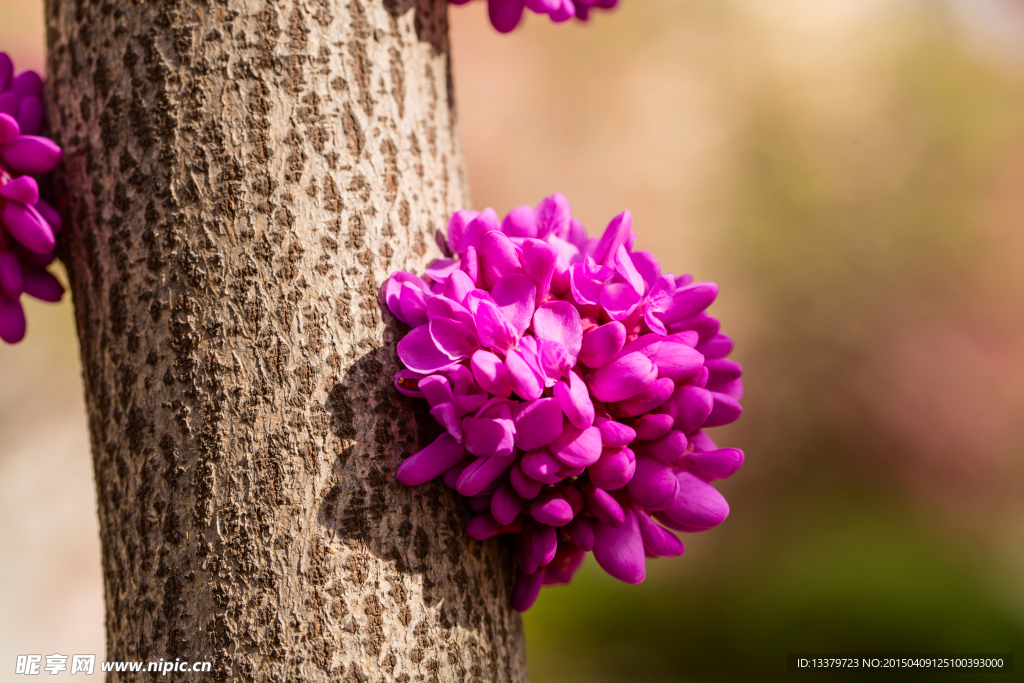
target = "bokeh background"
x: 851, y: 172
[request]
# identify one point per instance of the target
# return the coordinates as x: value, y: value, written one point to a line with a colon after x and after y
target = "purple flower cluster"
x: 27, y: 223
x: 505, y: 15
x: 575, y: 383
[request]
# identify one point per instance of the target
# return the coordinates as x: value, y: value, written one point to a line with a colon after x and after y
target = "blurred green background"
x: 851, y: 172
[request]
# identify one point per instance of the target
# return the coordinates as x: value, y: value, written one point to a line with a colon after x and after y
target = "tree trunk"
x: 240, y: 178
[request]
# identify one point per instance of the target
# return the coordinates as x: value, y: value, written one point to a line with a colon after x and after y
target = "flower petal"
x: 505, y: 16
x: 443, y: 307
x: 419, y: 353
x: 9, y: 105
x: 577, y: 447
x: 627, y: 376
x: 470, y: 264
x: 667, y: 521
x: 614, y: 469
x: 659, y: 300
x: 12, y: 320
x: 447, y: 416
x: 506, y: 504
x: 436, y: 389
x: 691, y: 300
x: 30, y: 115
x: 555, y: 361
x: 544, y: 543
x: 567, y: 560
x: 539, y: 262
x: 686, y: 338
x: 393, y: 290
x: 23, y: 189
x: 31, y: 154
x: 615, y: 235
x: 514, y: 294
x: 647, y: 266
x: 723, y: 370
x: 619, y: 299
x: 601, y: 344
x: 733, y: 389
x: 493, y: 329
x: 582, y: 534
x: 560, y: 321
x: 574, y: 399
x: 703, y: 324
x: 458, y: 286
x: 652, y: 426
x: 456, y: 340
x: 483, y: 223
x: 432, y: 461
x: 528, y: 586
x: 489, y: 372
x: 457, y: 229
x: 407, y: 382
x: 603, y: 506
x: 481, y: 473
x: 489, y: 436
x: 615, y: 433
x: 520, y: 222
x: 525, y: 486
x: 620, y: 551
x: 9, y: 128
x: 28, y: 227
x: 441, y: 268
x: 541, y: 466
x: 523, y: 379
x: 412, y: 302
x: 586, y: 291
x: 624, y: 267
x: 690, y: 407
x: 718, y: 346
x: 702, y: 442
x: 27, y: 83
x: 726, y: 410
x: 658, y: 541
x: 538, y: 423
x: 553, y: 216
x: 6, y: 71
x: 678, y: 361
x: 524, y: 555
x: 552, y: 509
x: 498, y: 258
x: 698, y: 505
x: 648, y: 400
x: 654, y: 485
x: 12, y: 281
x: 708, y: 465
x: 482, y: 527
x: 669, y: 448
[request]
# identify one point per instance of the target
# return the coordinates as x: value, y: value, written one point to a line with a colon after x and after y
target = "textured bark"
x: 240, y: 177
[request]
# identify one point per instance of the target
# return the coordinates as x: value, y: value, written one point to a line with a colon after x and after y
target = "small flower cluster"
x: 575, y: 383
x: 505, y: 15
x: 27, y: 223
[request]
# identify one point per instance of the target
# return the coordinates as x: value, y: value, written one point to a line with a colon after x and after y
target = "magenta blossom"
x: 575, y: 383
x: 27, y: 223
x: 505, y: 15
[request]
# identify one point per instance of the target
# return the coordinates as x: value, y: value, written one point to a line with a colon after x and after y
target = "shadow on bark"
x: 421, y: 530
x: 433, y: 31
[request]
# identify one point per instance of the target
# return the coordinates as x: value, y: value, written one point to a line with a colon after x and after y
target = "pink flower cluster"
x: 505, y: 15
x: 575, y: 383
x: 27, y: 223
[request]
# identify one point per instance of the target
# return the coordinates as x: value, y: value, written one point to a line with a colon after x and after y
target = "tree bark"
x: 240, y: 177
